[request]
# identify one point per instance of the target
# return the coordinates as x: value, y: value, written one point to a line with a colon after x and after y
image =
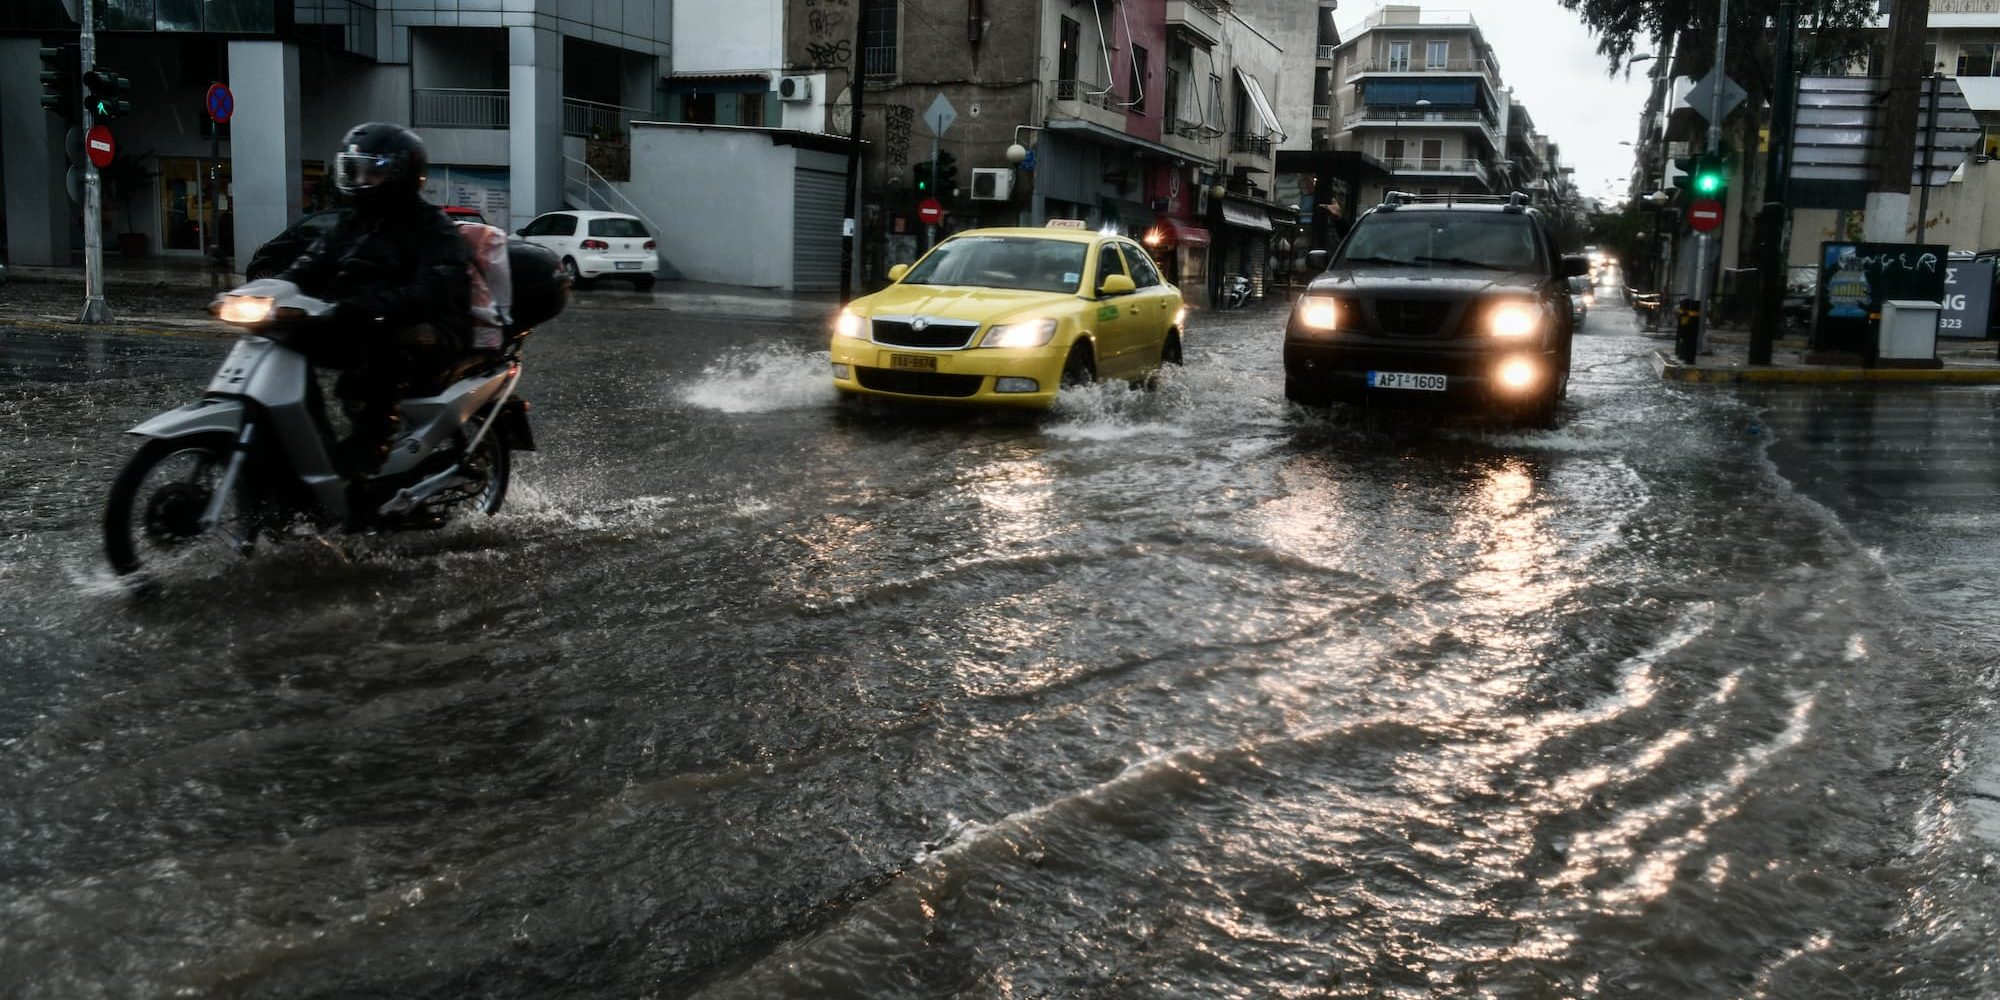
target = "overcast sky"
x: 1551, y: 61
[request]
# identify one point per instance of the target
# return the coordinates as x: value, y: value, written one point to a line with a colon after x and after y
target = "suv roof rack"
x: 1514, y: 202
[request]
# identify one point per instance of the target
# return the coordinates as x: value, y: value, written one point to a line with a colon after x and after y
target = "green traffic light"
x: 1708, y: 183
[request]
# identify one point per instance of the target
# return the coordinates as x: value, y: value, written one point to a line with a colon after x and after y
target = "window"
x: 1108, y: 263
x: 1399, y: 57
x: 698, y: 109
x: 1072, y: 51
x: 1437, y: 55
x: 1975, y: 60
x: 1433, y: 153
x: 1172, y: 96
x: 750, y: 110
x: 1392, y: 150
x: 617, y: 228
x: 1144, y: 274
x: 1215, y: 120
x: 551, y: 225
x: 1137, y: 87
x: 878, y: 38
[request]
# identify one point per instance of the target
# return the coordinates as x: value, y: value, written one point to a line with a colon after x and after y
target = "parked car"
x: 1581, y: 298
x: 1010, y: 317
x: 598, y: 244
x: 1454, y: 301
x: 279, y: 251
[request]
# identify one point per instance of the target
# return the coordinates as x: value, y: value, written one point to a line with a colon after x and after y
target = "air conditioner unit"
x: 992, y: 183
x: 794, y: 88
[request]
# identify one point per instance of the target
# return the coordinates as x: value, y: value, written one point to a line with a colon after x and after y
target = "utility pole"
x: 1930, y: 142
x: 94, y: 309
x: 1889, y: 202
x: 850, y: 227
x: 1720, y: 75
x: 1771, y: 217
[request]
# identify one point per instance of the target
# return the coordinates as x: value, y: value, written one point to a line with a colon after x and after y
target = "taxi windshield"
x: 1002, y: 262
x: 1497, y: 241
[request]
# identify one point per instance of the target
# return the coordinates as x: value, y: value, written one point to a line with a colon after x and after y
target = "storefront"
x: 1242, y: 241
x: 194, y: 205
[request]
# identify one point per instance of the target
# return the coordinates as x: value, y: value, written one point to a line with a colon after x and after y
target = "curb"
x: 1671, y: 369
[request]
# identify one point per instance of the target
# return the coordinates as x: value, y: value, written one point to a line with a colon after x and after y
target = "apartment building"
x: 1420, y: 91
x: 508, y: 94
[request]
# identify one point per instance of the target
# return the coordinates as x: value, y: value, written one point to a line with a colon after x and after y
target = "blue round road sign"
x: 221, y: 103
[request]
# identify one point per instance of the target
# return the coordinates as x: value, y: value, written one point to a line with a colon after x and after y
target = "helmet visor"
x: 362, y: 171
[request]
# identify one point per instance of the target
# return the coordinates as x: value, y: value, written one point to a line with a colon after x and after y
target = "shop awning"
x: 1982, y: 92
x: 1261, y: 103
x: 1174, y: 232
x: 1247, y: 218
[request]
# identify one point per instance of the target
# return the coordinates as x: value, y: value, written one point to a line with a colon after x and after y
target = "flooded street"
x: 1183, y: 693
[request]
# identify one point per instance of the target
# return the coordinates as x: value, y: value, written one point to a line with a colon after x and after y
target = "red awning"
x: 1174, y: 231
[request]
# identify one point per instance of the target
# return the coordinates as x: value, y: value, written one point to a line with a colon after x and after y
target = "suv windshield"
x: 1501, y: 241
x: 1002, y: 262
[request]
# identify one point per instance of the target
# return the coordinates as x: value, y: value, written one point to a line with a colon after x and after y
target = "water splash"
x: 765, y: 380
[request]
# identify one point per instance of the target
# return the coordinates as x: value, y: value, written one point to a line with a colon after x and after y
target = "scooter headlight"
x: 245, y: 310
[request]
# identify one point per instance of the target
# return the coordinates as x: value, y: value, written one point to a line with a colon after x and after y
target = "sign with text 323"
x: 1968, y: 299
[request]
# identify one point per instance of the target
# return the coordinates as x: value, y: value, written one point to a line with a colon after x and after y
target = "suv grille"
x: 937, y: 335
x: 1413, y: 318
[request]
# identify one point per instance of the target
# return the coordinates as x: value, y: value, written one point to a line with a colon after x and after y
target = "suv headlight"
x: 1514, y: 320
x: 1319, y: 312
x: 847, y: 324
x: 1026, y: 333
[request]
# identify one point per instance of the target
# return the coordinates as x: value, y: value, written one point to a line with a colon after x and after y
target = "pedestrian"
x: 1336, y: 223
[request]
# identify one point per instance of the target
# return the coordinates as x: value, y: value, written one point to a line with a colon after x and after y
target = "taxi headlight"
x: 1319, y: 313
x: 1513, y: 320
x: 847, y: 324
x: 245, y: 309
x: 1027, y: 333
x: 1180, y: 317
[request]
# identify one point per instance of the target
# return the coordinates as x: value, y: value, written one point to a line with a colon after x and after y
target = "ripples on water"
x: 1169, y: 693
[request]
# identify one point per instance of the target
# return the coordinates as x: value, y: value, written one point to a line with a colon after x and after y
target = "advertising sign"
x: 1856, y: 278
x: 1968, y: 299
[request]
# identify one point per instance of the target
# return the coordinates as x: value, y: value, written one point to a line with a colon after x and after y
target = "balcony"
x: 1322, y: 112
x: 1402, y: 116
x: 878, y: 62
x: 1441, y: 167
x: 1450, y: 67
x: 1201, y: 20
x: 1256, y: 145
x: 1087, y: 101
x: 1325, y: 53
x: 593, y: 120
x: 440, y: 107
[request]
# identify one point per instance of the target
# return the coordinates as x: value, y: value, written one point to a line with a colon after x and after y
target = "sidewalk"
x: 188, y: 277
x: 1727, y: 363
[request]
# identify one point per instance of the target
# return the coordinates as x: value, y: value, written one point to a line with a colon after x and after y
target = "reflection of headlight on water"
x: 246, y: 309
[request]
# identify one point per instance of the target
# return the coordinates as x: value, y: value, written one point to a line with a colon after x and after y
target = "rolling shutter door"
x: 817, y: 198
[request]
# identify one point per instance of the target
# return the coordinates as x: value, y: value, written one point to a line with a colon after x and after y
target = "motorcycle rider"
x: 396, y: 269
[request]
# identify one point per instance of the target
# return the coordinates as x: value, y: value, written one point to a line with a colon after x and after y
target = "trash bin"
x: 1687, y: 330
x: 1908, y: 336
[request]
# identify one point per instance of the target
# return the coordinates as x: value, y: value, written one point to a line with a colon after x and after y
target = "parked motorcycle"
x: 1235, y: 291
x: 252, y: 459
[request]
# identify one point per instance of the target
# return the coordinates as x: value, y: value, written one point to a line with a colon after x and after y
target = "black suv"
x: 1455, y: 300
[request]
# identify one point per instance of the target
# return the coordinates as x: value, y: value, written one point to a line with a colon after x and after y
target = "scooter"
x: 252, y: 458
x: 1235, y: 291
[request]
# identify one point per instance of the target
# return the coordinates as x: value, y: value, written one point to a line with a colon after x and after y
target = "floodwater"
x: 1174, y: 694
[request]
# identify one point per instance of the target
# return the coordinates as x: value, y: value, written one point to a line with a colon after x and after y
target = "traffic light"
x: 1710, y: 178
x: 1683, y: 168
x: 104, y: 93
x: 947, y: 174
x: 920, y: 179
x: 61, y: 67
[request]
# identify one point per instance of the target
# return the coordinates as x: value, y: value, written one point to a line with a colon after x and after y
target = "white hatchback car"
x: 597, y: 244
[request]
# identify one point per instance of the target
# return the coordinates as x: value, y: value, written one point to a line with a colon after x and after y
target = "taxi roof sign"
x: 1068, y: 224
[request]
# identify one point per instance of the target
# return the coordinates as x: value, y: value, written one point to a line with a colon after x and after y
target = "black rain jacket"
x: 403, y: 266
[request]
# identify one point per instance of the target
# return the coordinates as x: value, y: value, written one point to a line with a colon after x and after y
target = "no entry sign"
x: 1704, y: 215
x: 930, y: 211
x: 99, y: 146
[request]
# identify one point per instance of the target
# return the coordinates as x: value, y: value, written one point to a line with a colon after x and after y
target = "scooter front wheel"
x: 160, y: 499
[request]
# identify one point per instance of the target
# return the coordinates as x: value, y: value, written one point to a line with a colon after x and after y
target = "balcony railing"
x: 1325, y: 53
x: 447, y: 107
x: 1444, y: 166
x: 1401, y: 116
x: 1244, y: 142
x: 1322, y: 112
x: 1200, y: 18
x: 1094, y: 94
x: 1417, y: 65
x: 879, y: 61
x: 592, y: 119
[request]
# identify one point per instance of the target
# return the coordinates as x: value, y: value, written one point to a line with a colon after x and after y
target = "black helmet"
x: 380, y: 163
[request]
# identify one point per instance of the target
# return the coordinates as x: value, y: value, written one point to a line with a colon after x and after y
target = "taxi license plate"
x: 913, y: 362
x: 628, y: 265
x: 1406, y: 380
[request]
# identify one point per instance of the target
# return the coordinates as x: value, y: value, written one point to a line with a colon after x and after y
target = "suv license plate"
x: 913, y: 362
x: 1406, y: 380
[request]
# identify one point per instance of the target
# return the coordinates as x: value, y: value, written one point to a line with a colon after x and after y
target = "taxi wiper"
x: 1466, y: 262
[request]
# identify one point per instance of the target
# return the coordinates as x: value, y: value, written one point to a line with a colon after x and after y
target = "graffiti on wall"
x: 897, y: 120
x: 829, y: 43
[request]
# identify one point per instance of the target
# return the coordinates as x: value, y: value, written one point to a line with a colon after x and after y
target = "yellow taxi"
x: 1008, y: 317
